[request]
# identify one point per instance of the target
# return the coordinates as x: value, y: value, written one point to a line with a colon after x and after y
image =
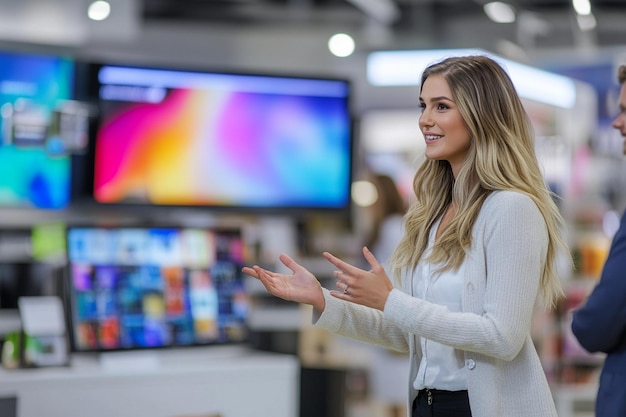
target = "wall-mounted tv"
x: 34, y: 165
x: 139, y: 288
x: 187, y: 138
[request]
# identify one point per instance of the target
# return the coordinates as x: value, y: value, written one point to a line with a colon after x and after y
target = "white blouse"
x: 441, y: 367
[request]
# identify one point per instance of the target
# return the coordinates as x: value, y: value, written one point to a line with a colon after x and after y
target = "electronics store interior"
x: 151, y: 149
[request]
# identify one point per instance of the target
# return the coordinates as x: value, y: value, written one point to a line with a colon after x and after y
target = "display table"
x: 229, y: 381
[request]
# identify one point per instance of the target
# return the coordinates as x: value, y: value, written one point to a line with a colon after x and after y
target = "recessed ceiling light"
x: 364, y: 193
x: 341, y: 45
x: 500, y: 12
x: 99, y: 10
x: 582, y: 7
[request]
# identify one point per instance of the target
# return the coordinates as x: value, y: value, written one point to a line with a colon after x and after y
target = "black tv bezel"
x: 68, y: 300
x: 88, y: 77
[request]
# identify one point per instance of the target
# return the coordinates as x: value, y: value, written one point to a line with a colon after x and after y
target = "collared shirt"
x: 442, y: 367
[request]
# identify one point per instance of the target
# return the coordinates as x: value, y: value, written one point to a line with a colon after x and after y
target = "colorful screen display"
x: 34, y: 165
x: 134, y: 288
x: 204, y: 139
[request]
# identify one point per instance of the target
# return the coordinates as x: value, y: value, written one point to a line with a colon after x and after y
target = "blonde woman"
x: 481, y: 244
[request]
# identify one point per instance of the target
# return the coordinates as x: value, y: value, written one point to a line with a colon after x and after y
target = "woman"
x: 481, y: 243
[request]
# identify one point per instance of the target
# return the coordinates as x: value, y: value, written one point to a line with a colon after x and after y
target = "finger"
x: 261, y: 273
x: 341, y: 295
x: 266, y: 278
x: 342, y: 278
x: 342, y: 265
x: 289, y: 262
x: 342, y: 286
x: 371, y: 259
x: 270, y: 280
x: 249, y: 271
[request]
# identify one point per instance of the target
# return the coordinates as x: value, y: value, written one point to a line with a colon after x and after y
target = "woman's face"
x: 446, y: 135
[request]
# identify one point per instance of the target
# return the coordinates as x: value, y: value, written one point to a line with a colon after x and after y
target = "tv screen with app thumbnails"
x: 138, y: 288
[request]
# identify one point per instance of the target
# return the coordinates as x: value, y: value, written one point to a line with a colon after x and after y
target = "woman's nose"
x: 425, y: 119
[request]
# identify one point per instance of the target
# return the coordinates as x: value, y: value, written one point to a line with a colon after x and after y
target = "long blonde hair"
x: 501, y: 156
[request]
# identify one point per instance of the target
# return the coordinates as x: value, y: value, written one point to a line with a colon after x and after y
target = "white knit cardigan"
x: 500, y: 287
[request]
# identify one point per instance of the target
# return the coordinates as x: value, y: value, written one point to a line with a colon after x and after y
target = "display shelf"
x: 232, y: 381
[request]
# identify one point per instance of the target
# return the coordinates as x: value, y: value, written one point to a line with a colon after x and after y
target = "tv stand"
x: 229, y: 381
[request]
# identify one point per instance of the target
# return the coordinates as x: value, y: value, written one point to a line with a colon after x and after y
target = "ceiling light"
x: 403, y: 68
x: 99, y: 10
x: 582, y: 7
x: 341, y: 45
x: 499, y: 12
x: 364, y: 193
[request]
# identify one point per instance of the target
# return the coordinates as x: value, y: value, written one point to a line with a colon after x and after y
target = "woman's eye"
x: 441, y: 106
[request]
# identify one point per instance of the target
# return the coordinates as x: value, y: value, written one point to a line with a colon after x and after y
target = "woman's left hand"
x: 369, y: 288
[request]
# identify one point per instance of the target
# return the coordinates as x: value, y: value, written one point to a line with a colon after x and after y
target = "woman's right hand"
x: 301, y: 286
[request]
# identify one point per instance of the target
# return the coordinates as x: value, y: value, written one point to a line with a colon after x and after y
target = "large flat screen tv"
x: 138, y: 288
x: 187, y: 138
x: 34, y: 164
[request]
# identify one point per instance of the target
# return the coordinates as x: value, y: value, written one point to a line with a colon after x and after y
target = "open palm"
x: 301, y: 286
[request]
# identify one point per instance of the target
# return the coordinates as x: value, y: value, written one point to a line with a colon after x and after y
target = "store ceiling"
x: 547, y: 23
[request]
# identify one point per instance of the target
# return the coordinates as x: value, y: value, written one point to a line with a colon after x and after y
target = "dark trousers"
x: 437, y: 403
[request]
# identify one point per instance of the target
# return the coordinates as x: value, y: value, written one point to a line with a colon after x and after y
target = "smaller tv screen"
x: 35, y: 100
x: 139, y: 288
x: 181, y: 138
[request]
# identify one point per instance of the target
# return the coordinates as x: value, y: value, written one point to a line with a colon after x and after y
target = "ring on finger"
x: 345, y: 290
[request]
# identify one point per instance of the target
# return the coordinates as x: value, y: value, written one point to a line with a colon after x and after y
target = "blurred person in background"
x: 387, y: 371
x: 600, y: 323
x: 386, y: 218
x: 480, y: 245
